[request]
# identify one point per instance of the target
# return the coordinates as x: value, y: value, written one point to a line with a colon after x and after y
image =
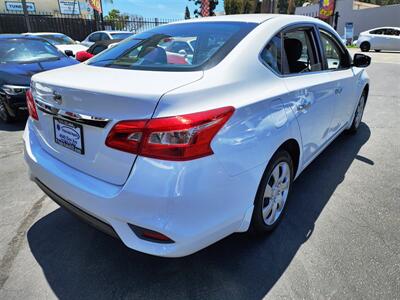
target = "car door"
x: 336, y: 60
x: 310, y: 91
x: 392, y: 39
x: 377, y: 40
x: 396, y: 39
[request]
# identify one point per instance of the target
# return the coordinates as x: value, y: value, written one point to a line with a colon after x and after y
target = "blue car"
x: 20, y: 58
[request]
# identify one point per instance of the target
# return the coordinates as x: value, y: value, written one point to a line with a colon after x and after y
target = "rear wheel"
x: 365, y: 46
x: 272, y: 194
x: 358, y: 114
x: 4, y: 115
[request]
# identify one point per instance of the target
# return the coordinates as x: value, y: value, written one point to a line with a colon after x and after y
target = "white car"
x: 104, y: 36
x: 61, y: 41
x: 383, y: 38
x: 171, y: 158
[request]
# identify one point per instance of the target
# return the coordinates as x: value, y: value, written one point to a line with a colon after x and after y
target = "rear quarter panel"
x: 262, y: 120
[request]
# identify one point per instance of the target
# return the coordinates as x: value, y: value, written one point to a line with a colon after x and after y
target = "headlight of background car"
x: 13, y: 90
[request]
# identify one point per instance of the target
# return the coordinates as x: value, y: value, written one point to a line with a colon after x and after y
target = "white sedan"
x: 61, y: 41
x: 383, y: 38
x: 105, y: 35
x: 172, y: 157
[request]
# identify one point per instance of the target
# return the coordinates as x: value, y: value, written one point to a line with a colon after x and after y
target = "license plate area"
x: 69, y: 135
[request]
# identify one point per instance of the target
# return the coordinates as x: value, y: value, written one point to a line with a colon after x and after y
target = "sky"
x: 169, y: 9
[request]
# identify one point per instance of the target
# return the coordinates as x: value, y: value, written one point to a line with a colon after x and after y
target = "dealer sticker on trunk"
x: 69, y: 135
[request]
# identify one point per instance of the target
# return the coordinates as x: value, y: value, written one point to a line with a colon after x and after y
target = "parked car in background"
x: 170, y: 157
x: 104, y: 36
x: 95, y: 49
x: 61, y: 41
x: 21, y: 57
x: 383, y: 38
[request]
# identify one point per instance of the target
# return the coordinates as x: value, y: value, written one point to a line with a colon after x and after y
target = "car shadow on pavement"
x: 80, y: 262
x: 15, y: 126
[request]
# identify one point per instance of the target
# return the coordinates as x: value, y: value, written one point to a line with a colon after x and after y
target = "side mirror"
x: 69, y: 53
x: 361, y: 60
x: 83, y: 56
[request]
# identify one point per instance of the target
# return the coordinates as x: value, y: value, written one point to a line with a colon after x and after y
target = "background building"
x: 62, y: 7
x: 362, y: 15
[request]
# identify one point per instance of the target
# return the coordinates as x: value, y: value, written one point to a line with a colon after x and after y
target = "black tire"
x: 258, y: 224
x: 365, y: 46
x: 356, y: 123
x: 4, y: 115
x: 377, y: 50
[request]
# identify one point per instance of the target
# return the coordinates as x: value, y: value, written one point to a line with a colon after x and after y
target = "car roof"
x: 42, y: 33
x: 248, y: 18
x: 19, y: 36
x: 113, y: 31
x: 384, y: 27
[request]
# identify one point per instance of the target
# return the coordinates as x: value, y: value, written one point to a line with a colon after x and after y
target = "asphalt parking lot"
x: 340, y: 238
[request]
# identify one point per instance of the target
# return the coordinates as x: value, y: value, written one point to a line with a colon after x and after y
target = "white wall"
x: 362, y: 19
x: 365, y: 19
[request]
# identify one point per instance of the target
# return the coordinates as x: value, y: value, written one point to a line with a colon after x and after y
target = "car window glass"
x: 98, y: 49
x: 175, y: 46
x: 300, y: 52
x: 272, y: 53
x: 335, y: 57
x: 377, y: 31
x: 104, y: 37
x: 391, y: 31
x: 179, y: 47
x: 94, y: 37
x: 27, y: 51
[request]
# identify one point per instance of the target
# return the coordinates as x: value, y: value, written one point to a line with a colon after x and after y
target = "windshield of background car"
x: 26, y: 51
x: 121, y: 35
x: 175, y: 47
x: 58, y: 39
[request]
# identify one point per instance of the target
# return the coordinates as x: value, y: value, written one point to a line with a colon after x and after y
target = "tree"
x: 242, y: 6
x: 113, y: 14
x: 248, y: 7
x: 199, y: 3
x: 233, y: 7
x: 291, y: 7
x: 187, y: 13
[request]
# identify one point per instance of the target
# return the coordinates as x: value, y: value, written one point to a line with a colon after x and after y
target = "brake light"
x: 178, y: 138
x: 31, y: 105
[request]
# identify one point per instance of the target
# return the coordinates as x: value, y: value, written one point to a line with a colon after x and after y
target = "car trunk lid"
x: 79, y: 105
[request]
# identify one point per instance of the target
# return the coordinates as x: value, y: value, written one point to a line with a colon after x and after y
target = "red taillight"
x: 31, y: 105
x: 182, y: 137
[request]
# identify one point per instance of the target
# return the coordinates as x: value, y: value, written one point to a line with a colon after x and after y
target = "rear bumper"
x: 98, y: 224
x: 193, y: 203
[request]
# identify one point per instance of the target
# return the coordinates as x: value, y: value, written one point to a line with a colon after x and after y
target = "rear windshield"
x: 58, y: 39
x: 176, y: 47
x: 27, y: 51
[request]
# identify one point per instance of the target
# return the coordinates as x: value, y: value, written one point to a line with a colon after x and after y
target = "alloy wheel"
x: 359, y: 112
x: 276, y: 193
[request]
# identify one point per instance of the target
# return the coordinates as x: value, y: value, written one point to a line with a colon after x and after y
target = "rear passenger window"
x: 272, y: 54
x: 300, y: 51
x: 104, y: 37
x: 377, y: 31
x: 94, y: 37
x: 335, y: 57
